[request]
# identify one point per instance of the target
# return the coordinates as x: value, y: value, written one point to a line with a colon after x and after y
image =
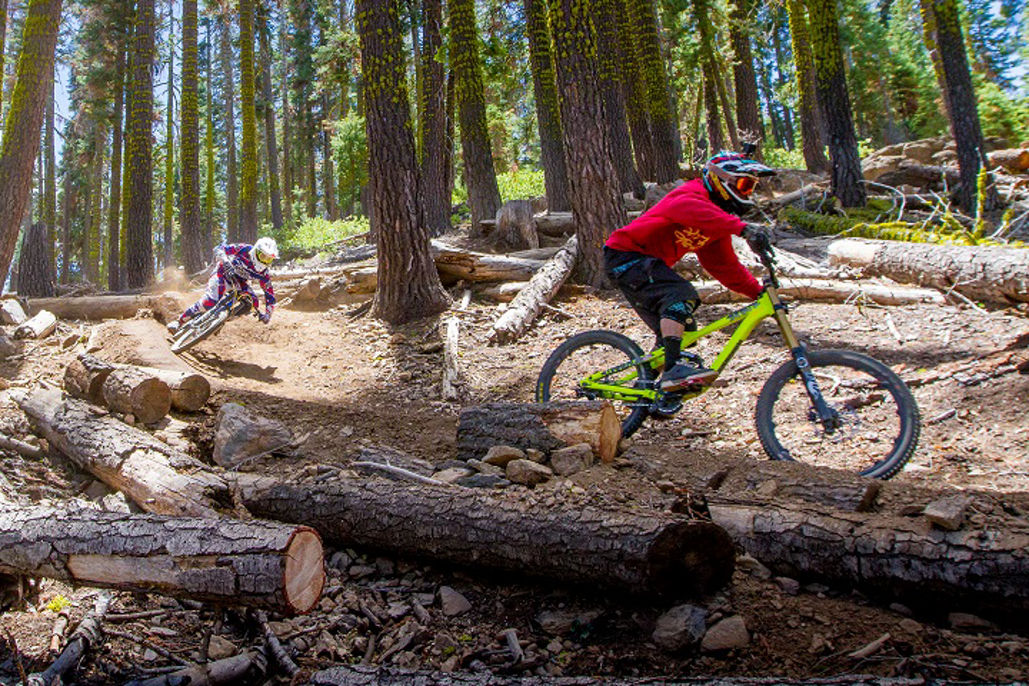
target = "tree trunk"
x: 247, y: 106
x: 592, y: 180
x: 125, y: 458
x: 139, y: 264
x: 480, y: 177
x: 609, y: 69
x: 548, y: 113
x: 228, y: 101
x: 663, y: 123
x: 36, y: 263
x: 24, y: 121
x: 748, y: 111
x: 433, y: 122
x: 114, y: 262
x: 49, y: 213
x: 541, y: 426
x: 993, y: 274
x: 131, y: 391
x: 630, y: 551
x: 810, y: 126
x: 168, y: 257
x: 207, y: 237
x: 193, y: 256
x: 408, y: 284
x: 835, y: 103
x: 250, y: 563
x: 960, y: 98
x: 541, y: 288
x: 271, y: 145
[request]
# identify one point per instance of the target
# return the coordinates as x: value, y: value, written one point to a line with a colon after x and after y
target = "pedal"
x: 666, y: 405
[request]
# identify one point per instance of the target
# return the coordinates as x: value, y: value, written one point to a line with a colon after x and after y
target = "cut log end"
x: 304, y: 574
x: 191, y: 393
x: 691, y: 559
x: 151, y: 400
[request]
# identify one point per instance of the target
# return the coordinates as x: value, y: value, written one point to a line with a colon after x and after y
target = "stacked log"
x: 132, y: 391
x: 86, y: 377
x: 253, y: 563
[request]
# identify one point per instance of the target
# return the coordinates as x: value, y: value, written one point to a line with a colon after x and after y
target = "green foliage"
x: 781, y: 158
x: 1002, y: 115
x: 519, y: 184
x: 315, y: 232
x: 350, y: 154
x: 57, y: 603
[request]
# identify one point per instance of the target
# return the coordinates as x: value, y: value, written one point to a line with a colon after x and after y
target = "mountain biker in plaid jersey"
x: 700, y: 216
x: 239, y: 262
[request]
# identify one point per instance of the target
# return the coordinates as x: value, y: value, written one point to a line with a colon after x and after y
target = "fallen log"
x: 540, y: 426
x: 991, y: 274
x: 96, y: 307
x: 476, y: 267
x: 130, y: 390
x: 84, y: 378
x: 41, y: 325
x: 633, y: 551
x: 1015, y: 160
x: 246, y: 667
x: 125, y: 458
x: 883, y: 554
x: 252, y: 563
x: 912, y: 173
x: 362, y: 675
x: 828, y: 290
x: 530, y: 300
x: 451, y: 371
x: 87, y: 635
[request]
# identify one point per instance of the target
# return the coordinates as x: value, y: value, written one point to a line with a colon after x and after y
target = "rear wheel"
x: 876, y: 418
x: 591, y: 352
x: 196, y: 330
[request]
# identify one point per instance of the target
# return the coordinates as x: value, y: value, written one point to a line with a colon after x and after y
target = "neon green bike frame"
x: 625, y: 388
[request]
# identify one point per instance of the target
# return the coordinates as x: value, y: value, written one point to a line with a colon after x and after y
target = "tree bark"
x: 651, y: 64
x: 609, y: 63
x: 835, y: 103
x: 41, y: 325
x: 84, y: 378
x: 480, y: 177
x: 408, y: 284
x: 131, y: 391
x: 592, y: 180
x: 548, y: 112
x: 244, y: 667
x: 810, y: 118
x: 125, y: 458
x: 24, y: 122
x: 992, y: 274
x: 36, y: 263
x: 541, y: 426
x: 193, y: 256
x: 473, y: 266
x: 114, y: 248
x: 251, y: 563
x: 247, y: 106
x: 748, y: 111
x: 271, y: 143
x: 641, y: 553
x: 228, y: 99
x: 433, y: 122
x: 97, y: 307
x: 139, y: 265
x: 541, y: 288
x: 87, y: 635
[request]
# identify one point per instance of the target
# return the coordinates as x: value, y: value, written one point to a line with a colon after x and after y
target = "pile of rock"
x: 504, y: 465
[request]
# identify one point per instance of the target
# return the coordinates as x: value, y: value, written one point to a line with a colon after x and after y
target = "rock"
x: 901, y: 609
x: 727, y: 634
x: 452, y: 475
x: 360, y: 571
x: 149, y: 655
x: 680, y: 627
x: 874, y: 167
x: 340, y: 560
x: 752, y: 566
x: 483, y: 468
x: 948, y: 512
x: 910, y: 626
x: 527, y: 473
x: 11, y: 312
x: 452, y: 603
x: 921, y: 151
x: 7, y: 346
x: 964, y: 620
x: 220, y: 648
x: 945, y: 157
x: 570, y: 460
x: 561, y: 622
x: 501, y: 455
x: 655, y: 193
x: 535, y: 455
x: 789, y: 586
x: 240, y: 434
x: 484, y: 481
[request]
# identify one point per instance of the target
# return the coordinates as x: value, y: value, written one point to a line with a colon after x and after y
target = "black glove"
x: 265, y: 317
x: 757, y: 238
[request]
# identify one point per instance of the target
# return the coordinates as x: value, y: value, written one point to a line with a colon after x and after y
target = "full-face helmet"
x: 730, y: 179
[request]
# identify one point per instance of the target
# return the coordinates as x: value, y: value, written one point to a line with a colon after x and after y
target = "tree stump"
x: 130, y: 390
x: 515, y: 228
x: 36, y: 264
x: 541, y: 426
x: 251, y: 563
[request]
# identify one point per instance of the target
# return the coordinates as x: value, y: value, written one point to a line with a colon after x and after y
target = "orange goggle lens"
x: 264, y: 258
x: 745, y: 185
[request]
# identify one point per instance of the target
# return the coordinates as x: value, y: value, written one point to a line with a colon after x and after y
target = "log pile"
x: 93, y: 379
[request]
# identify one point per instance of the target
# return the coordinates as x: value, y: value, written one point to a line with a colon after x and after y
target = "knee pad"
x: 681, y: 311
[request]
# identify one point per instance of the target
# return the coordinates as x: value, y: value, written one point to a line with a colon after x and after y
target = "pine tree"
x: 548, y: 112
x: 433, y: 121
x: 139, y: 265
x: 229, y: 106
x: 189, y: 156
x: 268, y: 96
x: 651, y: 65
x: 810, y: 120
x: 748, y: 112
x: 248, y: 111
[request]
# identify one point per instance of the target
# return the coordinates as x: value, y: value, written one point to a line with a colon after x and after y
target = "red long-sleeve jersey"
x: 685, y: 221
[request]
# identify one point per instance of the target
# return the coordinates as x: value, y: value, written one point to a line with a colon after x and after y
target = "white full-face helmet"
x: 264, y: 252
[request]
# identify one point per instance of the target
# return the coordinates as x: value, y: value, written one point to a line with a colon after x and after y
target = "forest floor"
x: 347, y: 382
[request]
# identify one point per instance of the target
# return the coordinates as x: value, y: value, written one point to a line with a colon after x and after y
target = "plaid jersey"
x: 241, y: 267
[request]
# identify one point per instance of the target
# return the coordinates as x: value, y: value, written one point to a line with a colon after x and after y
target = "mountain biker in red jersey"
x: 700, y: 216
x: 239, y: 262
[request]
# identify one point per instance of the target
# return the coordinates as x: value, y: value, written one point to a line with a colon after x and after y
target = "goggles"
x: 264, y: 258
x: 745, y: 185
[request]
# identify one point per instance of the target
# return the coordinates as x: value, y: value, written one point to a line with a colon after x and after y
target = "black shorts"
x: 650, y: 285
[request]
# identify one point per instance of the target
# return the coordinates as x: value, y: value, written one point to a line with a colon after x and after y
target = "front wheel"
x: 198, y: 329
x: 876, y: 423
x: 614, y: 359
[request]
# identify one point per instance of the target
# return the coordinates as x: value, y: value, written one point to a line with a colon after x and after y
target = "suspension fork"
x: 828, y: 417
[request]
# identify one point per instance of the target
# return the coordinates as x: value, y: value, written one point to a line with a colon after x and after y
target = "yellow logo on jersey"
x: 690, y: 239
